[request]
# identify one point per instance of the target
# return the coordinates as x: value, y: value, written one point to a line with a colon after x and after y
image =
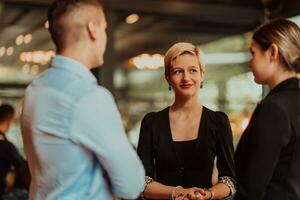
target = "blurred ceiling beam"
x: 211, y: 12
x: 281, y: 8
x: 12, y: 85
x: 28, y: 2
x: 234, y: 11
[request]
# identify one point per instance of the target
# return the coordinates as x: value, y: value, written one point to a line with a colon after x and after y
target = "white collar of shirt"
x: 73, y: 66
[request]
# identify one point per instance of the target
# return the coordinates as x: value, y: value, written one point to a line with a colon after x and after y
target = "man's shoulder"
x: 94, y: 95
x: 67, y: 84
x: 97, y: 91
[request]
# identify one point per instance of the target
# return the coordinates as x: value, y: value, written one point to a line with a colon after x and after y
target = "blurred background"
x: 139, y: 33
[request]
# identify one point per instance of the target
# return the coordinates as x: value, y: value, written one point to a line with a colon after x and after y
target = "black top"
x: 185, y: 152
x: 10, y: 157
x: 268, y: 154
x: 161, y: 156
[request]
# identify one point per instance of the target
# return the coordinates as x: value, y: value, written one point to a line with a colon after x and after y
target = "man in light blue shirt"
x: 72, y: 131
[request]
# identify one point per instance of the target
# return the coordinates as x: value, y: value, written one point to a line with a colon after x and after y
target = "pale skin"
x: 266, y: 66
x: 185, y: 78
x: 89, y: 50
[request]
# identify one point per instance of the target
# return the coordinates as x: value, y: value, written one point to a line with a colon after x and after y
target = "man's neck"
x: 78, y: 56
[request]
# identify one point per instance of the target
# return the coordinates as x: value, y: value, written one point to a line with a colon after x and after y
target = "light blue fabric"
x: 73, y: 135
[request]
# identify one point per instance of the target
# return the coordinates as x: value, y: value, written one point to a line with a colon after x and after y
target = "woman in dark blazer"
x: 178, y: 145
x: 268, y: 155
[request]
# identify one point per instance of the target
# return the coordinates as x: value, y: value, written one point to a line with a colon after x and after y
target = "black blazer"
x: 268, y: 154
x: 158, y: 154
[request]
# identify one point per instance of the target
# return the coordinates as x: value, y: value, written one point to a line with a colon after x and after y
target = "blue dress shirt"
x: 74, y: 138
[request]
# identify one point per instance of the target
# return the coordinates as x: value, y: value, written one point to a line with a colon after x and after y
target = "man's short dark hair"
x: 57, y: 11
x: 6, y: 112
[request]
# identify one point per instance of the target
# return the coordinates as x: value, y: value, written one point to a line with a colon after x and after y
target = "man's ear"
x: 91, y: 28
x: 274, y: 52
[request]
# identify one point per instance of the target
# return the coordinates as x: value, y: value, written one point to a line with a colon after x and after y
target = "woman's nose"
x: 185, y: 75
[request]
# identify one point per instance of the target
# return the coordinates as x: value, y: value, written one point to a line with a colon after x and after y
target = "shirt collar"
x: 288, y: 84
x: 73, y: 66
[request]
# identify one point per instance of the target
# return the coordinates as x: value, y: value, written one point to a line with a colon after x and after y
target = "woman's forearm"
x: 220, y: 191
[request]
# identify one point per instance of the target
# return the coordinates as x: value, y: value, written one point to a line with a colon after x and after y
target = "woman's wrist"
x: 148, y: 180
x: 174, y: 193
x: 209, y: 193
x: 230, y: 183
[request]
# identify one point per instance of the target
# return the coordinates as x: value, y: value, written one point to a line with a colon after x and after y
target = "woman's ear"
x: 274, y: 52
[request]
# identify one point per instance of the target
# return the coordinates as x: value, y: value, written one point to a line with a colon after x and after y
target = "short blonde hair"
x: 179, y: 49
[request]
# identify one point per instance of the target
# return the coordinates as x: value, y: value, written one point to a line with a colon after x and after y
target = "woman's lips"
x: 186, y: 85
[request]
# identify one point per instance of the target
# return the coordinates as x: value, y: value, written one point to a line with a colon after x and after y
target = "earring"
x: 170, y: 88
x: 201, y: 85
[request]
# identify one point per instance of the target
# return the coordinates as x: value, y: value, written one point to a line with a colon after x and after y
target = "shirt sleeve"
x: 99, y: 127
x: 259, y: 150
x: 145, y: 146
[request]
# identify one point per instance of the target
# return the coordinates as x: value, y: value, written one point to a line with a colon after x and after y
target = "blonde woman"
x: 178, y: 145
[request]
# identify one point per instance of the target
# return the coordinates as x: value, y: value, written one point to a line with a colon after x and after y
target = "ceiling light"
x: 147, y: 61
x: 2, y: 51
x: 46, y: 25
x: 26, y: 68
x: 39, y: 57
x: 27, y: 38
x: 34, y: 69
x: 10, y: 51
x: 132, y: 18
x: 19, y: 40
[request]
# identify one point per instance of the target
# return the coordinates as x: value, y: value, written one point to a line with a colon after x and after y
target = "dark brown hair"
x: 286, y: 35
x: 6, y: 112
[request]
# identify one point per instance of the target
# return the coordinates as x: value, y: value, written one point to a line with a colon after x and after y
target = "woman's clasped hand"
x: 193, y: 193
